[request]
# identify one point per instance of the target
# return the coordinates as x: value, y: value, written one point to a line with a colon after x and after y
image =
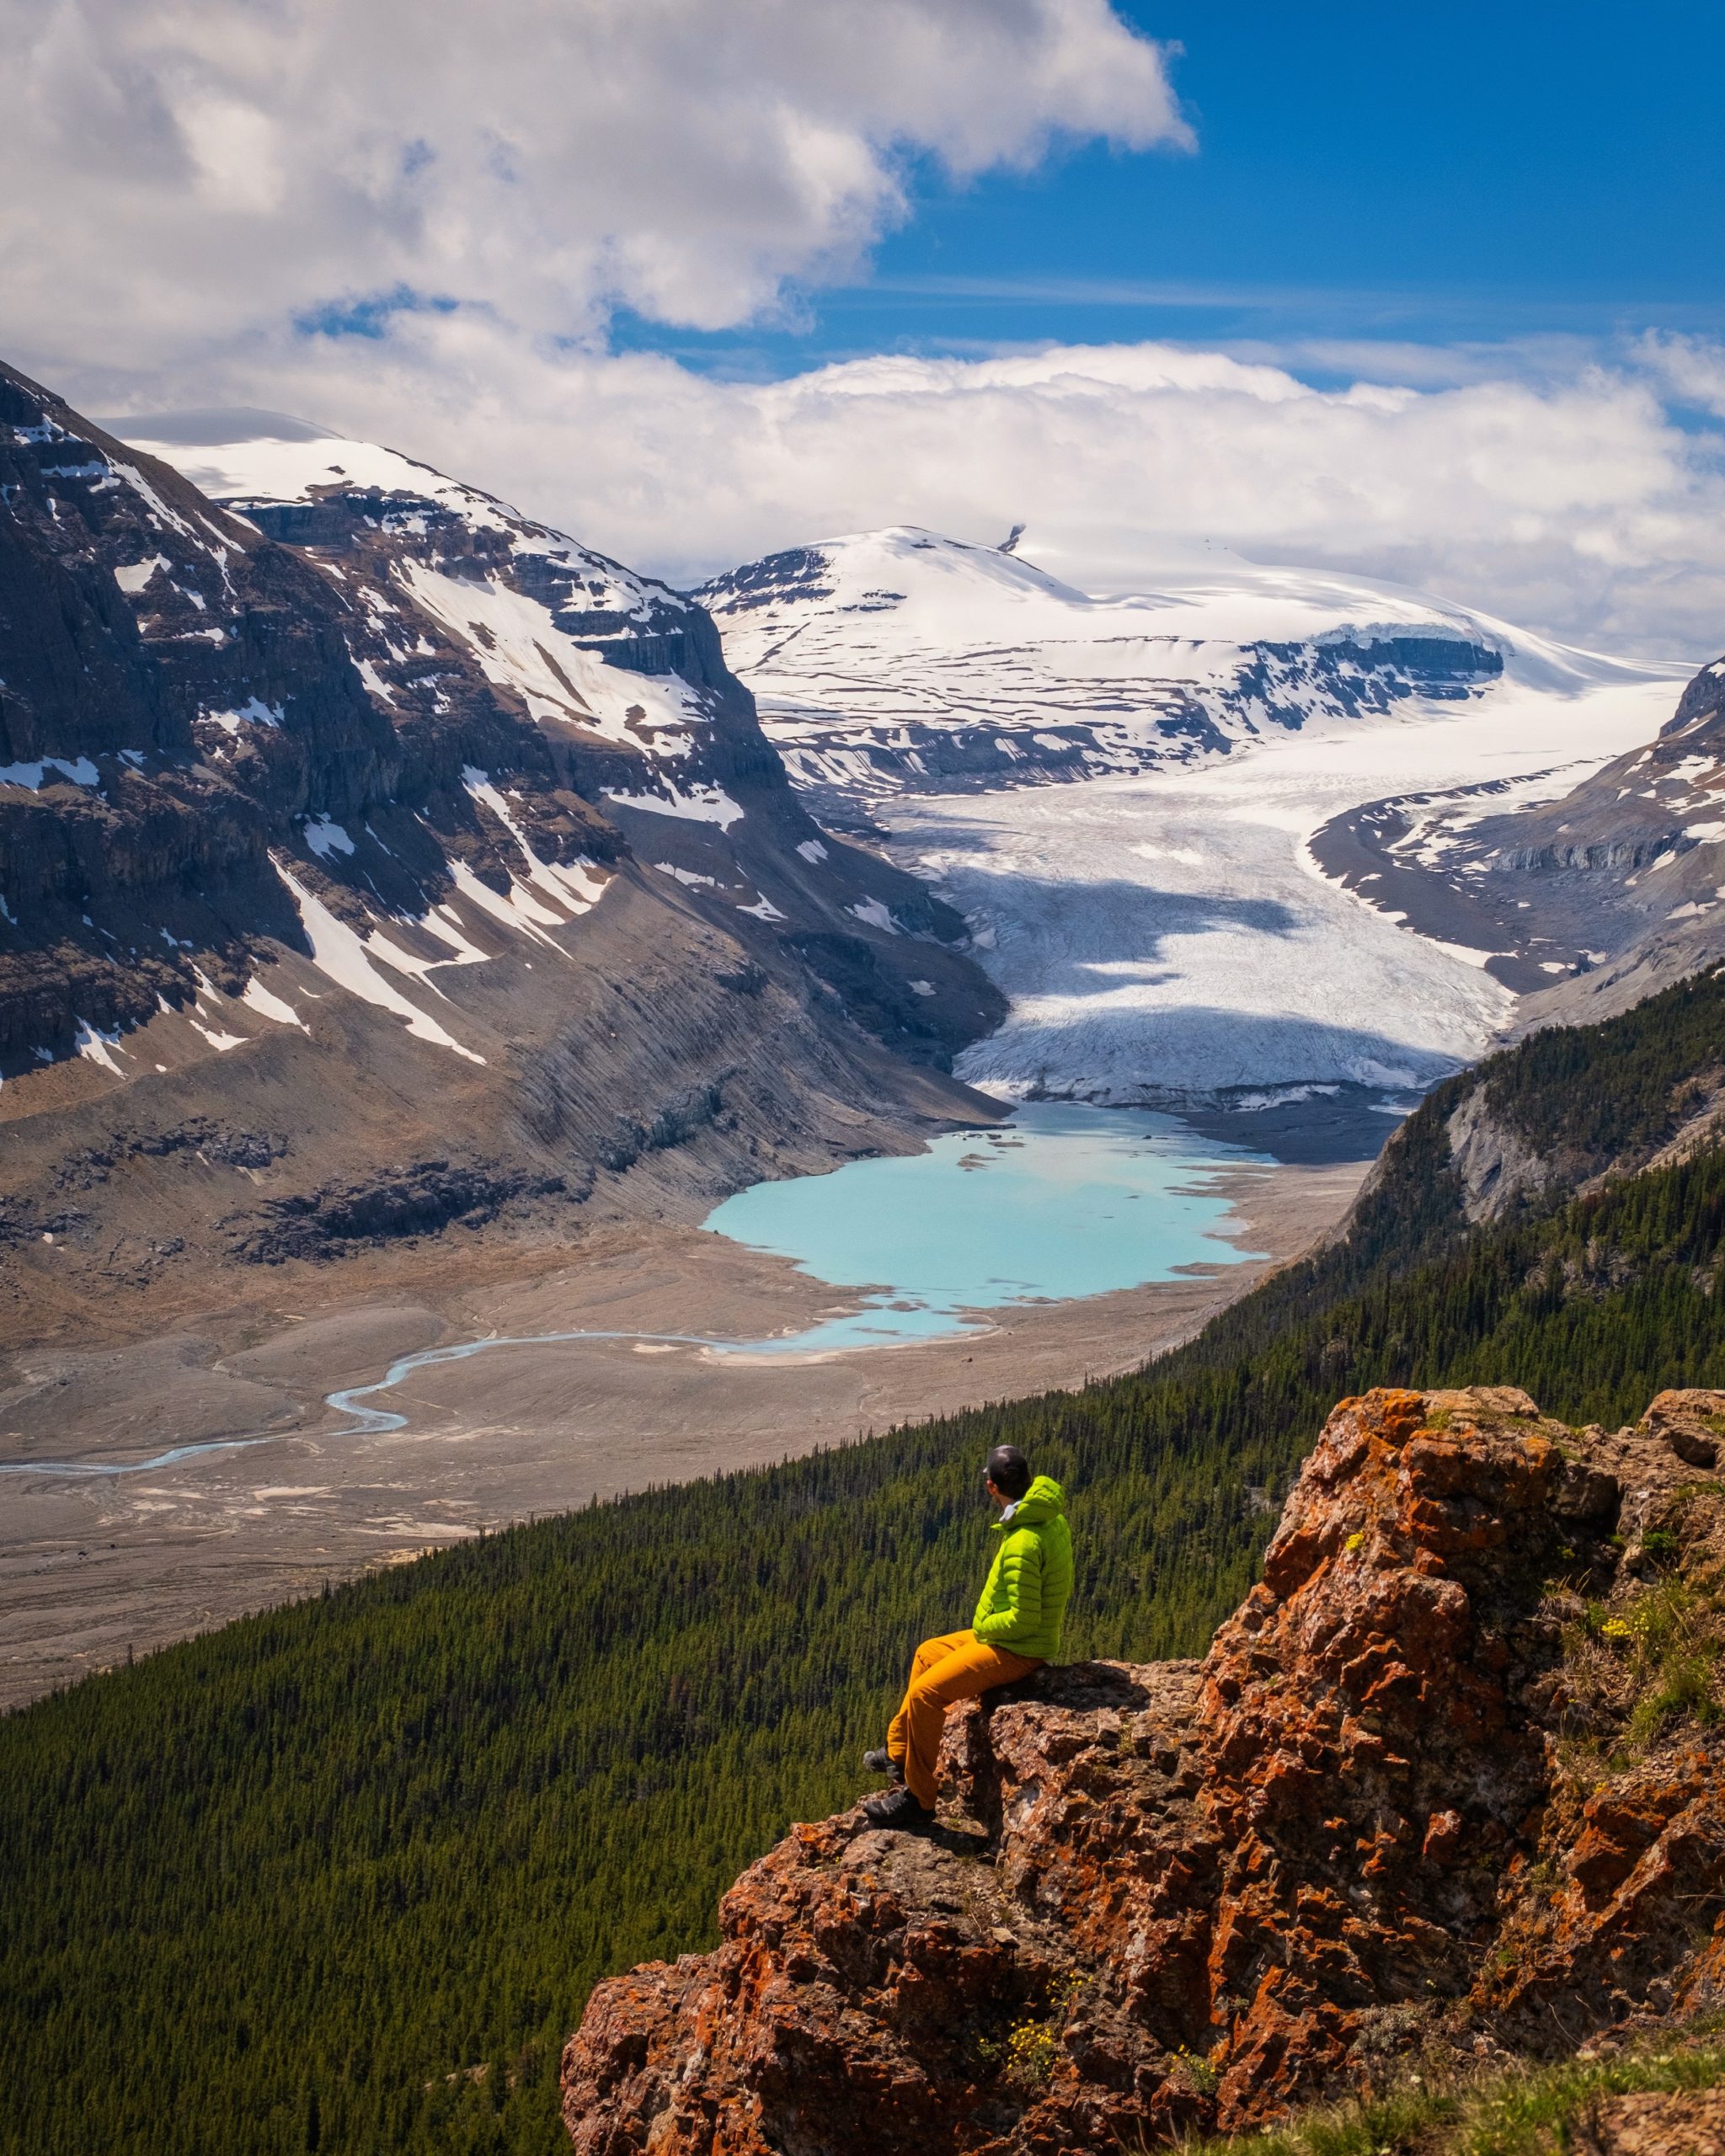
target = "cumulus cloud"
x: 197, y: 173
x: 413, y: 218
x: 1691, y: 368
x: 1565, y: 498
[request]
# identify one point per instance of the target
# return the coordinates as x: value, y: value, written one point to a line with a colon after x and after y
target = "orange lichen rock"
x: 1449, y: 1774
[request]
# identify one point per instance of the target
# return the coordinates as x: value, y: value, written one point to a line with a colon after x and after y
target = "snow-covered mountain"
x: 1611, y: 888
x: 1198, y: 915
x: 586, y: 645
x: 900, y: 661
x: 373, y: 857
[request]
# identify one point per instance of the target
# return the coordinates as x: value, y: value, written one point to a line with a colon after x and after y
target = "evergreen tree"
x: 338, y: 1877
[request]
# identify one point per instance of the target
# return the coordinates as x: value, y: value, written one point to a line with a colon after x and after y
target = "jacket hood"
x: 1043, y: 1501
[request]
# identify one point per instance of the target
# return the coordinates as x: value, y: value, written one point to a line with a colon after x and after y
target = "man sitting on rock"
x: 1015, y: 1629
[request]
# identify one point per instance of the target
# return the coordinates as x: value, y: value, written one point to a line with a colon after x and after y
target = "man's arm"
x: 1020, y: 1574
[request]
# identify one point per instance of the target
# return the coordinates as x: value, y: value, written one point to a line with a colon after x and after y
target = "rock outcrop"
x: 1450, y: 1778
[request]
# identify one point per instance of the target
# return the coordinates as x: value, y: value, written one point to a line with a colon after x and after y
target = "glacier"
x: 1119, y: 795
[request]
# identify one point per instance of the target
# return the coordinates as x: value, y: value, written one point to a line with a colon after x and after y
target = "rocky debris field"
x: 1446, y: 1789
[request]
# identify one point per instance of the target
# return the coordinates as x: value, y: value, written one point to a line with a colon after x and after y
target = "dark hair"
x: 1009, y: 1471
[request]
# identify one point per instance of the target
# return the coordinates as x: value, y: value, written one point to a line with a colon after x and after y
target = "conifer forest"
x: 337, y: 1878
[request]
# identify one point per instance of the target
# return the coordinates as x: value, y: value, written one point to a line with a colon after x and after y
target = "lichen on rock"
x: 1449, y: 1777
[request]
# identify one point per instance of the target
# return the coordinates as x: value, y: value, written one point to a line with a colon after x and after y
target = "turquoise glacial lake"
x: 1063, y: 1201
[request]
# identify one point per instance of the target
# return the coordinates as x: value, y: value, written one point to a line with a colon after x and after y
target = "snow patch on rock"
x: 98, y: 1047
x: 255, y: 712
x: 701, y: 804
x: 576, y: 887
x: 325, y: 837
x: 347, y: 959
x: 132, y: 579
x: 517, y: 644
x: 256, y: 997
x: 78, y: 769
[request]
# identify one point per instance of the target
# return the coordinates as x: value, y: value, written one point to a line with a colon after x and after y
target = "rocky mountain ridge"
x: 395, y: 843
x: 1634, y: 858
x: 1590, y: 899
x: 1446, y: 1784
x: 1562, y: 1113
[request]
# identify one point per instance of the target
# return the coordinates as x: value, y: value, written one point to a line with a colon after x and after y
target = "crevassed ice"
x: 1172, y: 938
x: 976, y: 638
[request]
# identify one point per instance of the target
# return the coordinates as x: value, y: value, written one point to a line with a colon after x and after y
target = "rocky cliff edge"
x: 1448, y: 1781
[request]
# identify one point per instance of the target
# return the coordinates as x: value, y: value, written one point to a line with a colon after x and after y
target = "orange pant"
x: 956, y: 1667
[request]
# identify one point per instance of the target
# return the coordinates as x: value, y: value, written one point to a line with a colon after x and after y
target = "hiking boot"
x: 880, y: 1761
x: 897, y: 1807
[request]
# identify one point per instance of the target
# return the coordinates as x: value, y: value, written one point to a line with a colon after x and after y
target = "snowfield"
x: 897, y: 661
x: 302, y: 462
x: 1169, y: 939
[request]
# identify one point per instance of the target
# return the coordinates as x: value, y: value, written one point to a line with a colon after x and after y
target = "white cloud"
x: 190, y: 182
x: 1692, y: 369
x: 199, y: 172
x: 1565, y: 498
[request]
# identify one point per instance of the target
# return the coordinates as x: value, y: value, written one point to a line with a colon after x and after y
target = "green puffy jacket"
x: 1030, y: 1580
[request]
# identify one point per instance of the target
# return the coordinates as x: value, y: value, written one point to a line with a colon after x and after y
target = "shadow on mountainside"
x: 1111, y: 919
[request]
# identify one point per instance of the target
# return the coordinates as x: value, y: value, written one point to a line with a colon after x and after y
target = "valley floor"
x: 94, y: 1566
x: 1169, y: 938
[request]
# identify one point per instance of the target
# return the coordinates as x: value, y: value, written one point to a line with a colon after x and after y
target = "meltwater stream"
x: 1061, y: 1202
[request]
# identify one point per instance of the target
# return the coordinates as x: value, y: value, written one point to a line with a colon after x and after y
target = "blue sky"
x: 1437, y: 175
x: 1433, y: 295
